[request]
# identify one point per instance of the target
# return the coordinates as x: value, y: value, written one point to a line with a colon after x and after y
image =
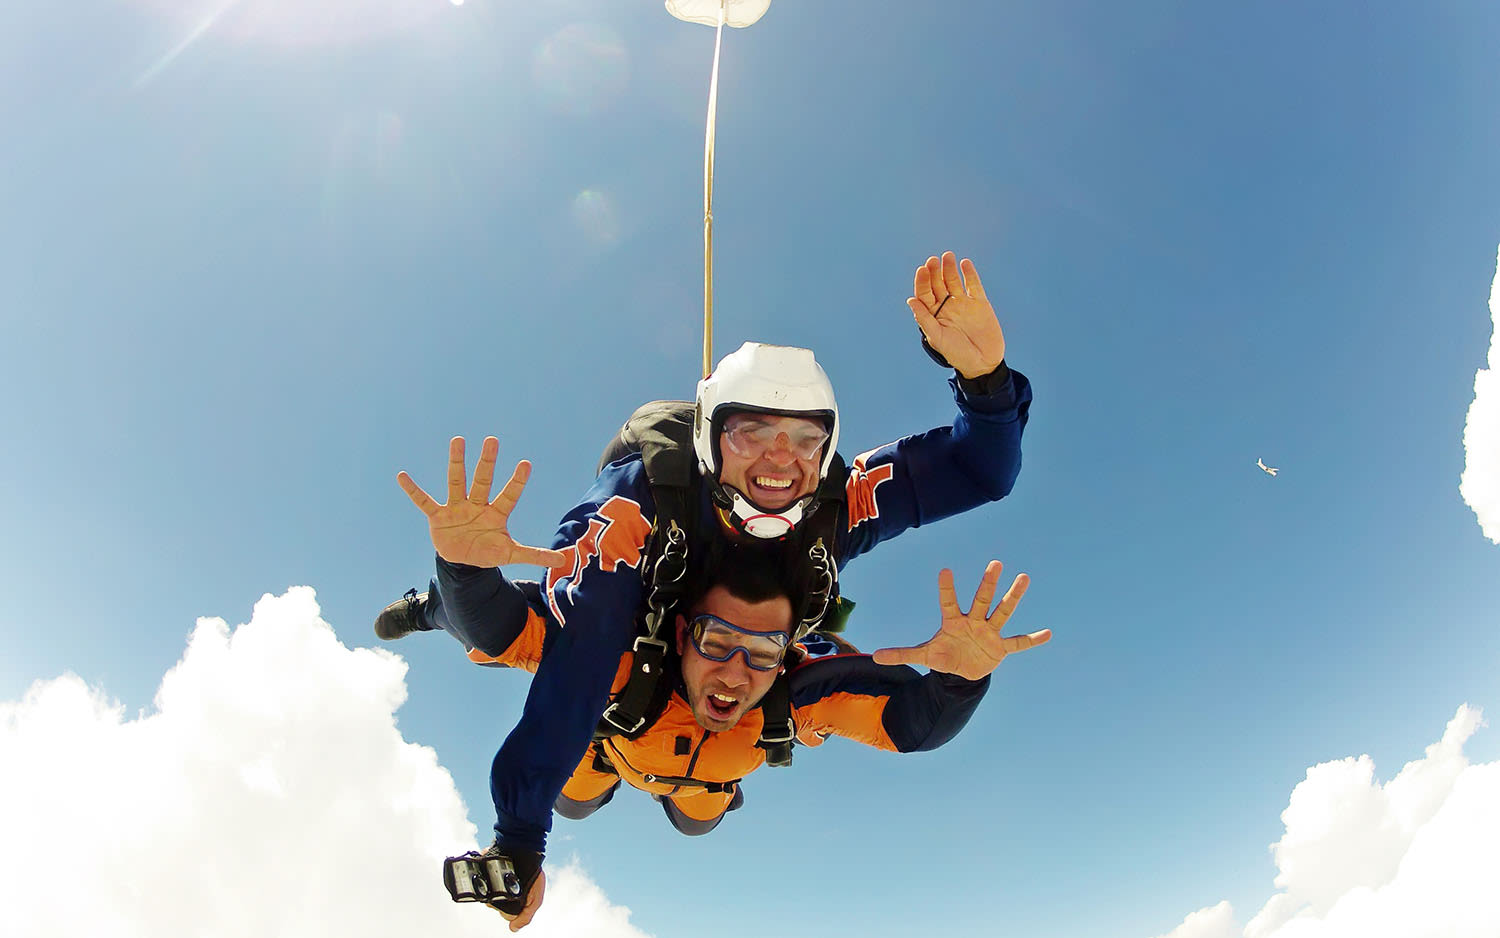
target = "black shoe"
x: 402, y: 617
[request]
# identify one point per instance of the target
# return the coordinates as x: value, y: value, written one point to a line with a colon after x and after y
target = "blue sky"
x: 254, y: 264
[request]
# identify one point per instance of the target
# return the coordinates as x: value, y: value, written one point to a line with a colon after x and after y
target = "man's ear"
x: 681, y: 634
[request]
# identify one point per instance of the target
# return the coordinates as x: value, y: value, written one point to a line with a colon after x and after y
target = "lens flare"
x: 595, y: 215
x: 289, y: 22
x: 581, y: 69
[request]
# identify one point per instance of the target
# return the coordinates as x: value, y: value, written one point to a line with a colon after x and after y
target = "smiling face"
x: 771, y: 460
x: 721, y: 692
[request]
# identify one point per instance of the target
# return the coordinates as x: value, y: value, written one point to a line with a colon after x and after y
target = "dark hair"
x: 748, y: 572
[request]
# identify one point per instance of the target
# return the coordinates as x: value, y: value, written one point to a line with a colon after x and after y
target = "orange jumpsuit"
x: 888, y: 707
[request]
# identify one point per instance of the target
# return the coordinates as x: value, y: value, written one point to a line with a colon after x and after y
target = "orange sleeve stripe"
x: 853, y: 716
x: 525, y: 652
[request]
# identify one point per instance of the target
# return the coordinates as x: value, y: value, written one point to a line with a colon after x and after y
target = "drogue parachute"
x: 718, y: 14
x: 736, y: 12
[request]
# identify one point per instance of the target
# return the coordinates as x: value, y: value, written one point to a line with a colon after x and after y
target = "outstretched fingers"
x: 420, y: 498
x: 971, y: 280
x: 1017, y: 643
x: 985, y: 594
x: 921, y: 286
x: 951, y: 278
x: 915, y: 654
x: 947, y: 598
x: 927, y: 322
x: 458, y: 476
x: 484, y: 472
x: 1010, y: 600
x: 541, y: 557
x: 934, y: 268
x: 505, y: 502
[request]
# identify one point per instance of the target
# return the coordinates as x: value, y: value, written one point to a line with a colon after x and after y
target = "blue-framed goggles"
x: 719, y: 640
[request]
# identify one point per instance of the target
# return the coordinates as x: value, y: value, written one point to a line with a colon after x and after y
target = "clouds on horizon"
x: 267, y: 792
x: 1480, y: 483
x: 1412, y: 858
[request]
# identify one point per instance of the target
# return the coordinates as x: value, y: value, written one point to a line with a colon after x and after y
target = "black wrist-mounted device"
x: 502, y: 880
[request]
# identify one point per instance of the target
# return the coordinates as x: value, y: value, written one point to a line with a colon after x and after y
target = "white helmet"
x: 773, y: 379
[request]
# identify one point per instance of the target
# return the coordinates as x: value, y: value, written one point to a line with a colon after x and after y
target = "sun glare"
x: 291, y: 22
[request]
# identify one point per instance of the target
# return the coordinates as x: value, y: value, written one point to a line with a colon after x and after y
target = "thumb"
x: 916, y: 654
x: 925, y: 321
x: 541, y: 556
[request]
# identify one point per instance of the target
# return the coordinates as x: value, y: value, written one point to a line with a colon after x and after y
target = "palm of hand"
x: 967, y: 646
x: 955, y: 315
x: 471, y: 528
x: 476, y: 535
x: 969, y: 643
x: 968, y: 334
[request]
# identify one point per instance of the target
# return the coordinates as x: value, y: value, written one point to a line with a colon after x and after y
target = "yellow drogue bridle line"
x: 708, y: 200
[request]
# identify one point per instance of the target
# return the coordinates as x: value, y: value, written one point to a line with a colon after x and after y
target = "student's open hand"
x: 955, y: 316
x: 969, y: 643
x: 470, y: 529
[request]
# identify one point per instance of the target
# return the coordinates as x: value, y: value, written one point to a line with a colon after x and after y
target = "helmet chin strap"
x: 741, y: 514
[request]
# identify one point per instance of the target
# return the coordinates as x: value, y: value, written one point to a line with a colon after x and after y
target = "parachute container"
x: 736, y: 12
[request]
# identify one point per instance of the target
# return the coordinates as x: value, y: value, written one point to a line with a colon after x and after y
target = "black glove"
x: 502, y: 880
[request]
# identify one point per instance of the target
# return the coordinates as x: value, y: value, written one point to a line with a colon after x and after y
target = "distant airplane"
x: 1268, y: 470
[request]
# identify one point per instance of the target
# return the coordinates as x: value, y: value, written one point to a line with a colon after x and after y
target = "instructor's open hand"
x: 969, y: 644
x: 470, y: 529
x: 955, y: 316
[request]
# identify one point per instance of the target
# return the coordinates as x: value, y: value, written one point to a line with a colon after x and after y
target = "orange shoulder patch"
x: 616, y: 536
x: 860, y: 489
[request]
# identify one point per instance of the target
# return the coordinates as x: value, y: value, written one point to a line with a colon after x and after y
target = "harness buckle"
x: 640, y: 640
x: 609, y: 717
x: 647, y: 650
x: 778, y: 755
x: 782, y: 733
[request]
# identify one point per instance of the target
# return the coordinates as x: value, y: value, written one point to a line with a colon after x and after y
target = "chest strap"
x: 602, y: 763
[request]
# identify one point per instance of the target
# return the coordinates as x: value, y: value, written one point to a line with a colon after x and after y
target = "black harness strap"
x: 662, y: 432
x: 645, y: 694
x: 681, y: 782
x: 636, y: 706
x: 812, y: 549
x: 777, y: 732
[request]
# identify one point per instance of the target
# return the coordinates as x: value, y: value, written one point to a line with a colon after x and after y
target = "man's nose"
x: 780, y: 451
x: 736, y: 671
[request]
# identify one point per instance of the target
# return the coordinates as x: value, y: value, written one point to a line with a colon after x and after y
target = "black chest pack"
x: 662, y: 432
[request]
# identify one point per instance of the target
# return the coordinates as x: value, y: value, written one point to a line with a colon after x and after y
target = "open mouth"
x: 720, y: 706
x: 771, y: 491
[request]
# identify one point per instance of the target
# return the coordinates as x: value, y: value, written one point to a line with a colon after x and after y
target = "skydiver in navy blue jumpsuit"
x: 594, y: 587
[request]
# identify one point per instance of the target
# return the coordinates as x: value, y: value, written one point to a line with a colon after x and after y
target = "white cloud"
x: 1216, y: 921
x: 1480, y: 483
x: 1413, y: 858
x: 268, y: 792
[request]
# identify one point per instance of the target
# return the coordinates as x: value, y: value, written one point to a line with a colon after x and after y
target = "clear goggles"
x: 718, y: 640
x: 750, y: 435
